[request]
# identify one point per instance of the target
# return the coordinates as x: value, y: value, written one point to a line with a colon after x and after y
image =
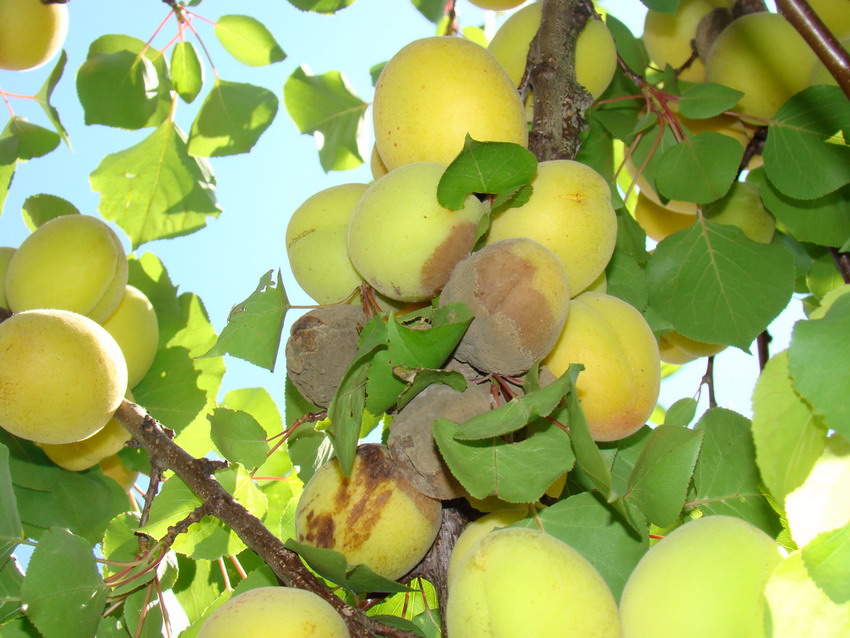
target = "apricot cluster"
x: 532, y: 277
x: 78, y: 339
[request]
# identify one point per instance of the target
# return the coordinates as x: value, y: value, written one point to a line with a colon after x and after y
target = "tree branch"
x: 842, y: 262
x: 198, y: 476
x: 560, y: 101
x: 825, y: 45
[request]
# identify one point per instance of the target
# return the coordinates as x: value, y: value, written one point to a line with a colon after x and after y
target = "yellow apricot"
x: 748, y: 56
x: 376, y: 164
x: 497, y: 5
x: 62, y: 376
x: 6, y: 253
x: 596, y: 53
x: 135, y: 327
x: 402, y: 241
x: 72, y: 262
x: 113, y: 467
x: 524, y: 582
x: 373, y: 517
x: 275, y: 612
x: 570, y: 213
x: 835, y: 14
x: 677, y: 348
x: 81, y: 455
x: 477, y: 529
x: 434, y: 92
x: 31, y: 33
x: 619, y: 386
x: 317, y: 243
x: 658, y: 221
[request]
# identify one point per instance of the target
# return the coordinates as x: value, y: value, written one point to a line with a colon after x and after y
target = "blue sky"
x: 223, y: 262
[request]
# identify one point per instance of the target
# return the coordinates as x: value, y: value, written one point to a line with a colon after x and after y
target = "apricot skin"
x: 434, y: 92
x: 267, y: 612
x: 373, y: 517
x: 62, y: 376
x: 31, y: 33
x: 72, y: 262
x: 135, y: 327
x: 619, y: 386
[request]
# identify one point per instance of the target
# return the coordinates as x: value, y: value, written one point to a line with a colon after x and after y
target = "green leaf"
x: 326, y: 104
x: 416, y: 346
x: 659, y: 481
x: 10, y: 521
x: 187, y: 72
x: 47, y: 495
x: 143, y: 614
x: 827, y: 559
x: 259, y: 404
x: 823, y: 220
x: 118, y: 89
x: 254, y: 326
x: 63, y: 591
x: 818, y: 359
x: 662, y: 6
x: 627, y: 280
x: 517, y: 412
x: 232, y: 119
x: 120, y: 44
x: 331, y: 564
x: 788, y: 437
x: 46, y: 92
x: 8, y: 162
x: 198, y: 585
x: 716, y: 285
x: 417, y: 379
x: 155, y: 189
x: 632, y: 49
x: 38, y: 209
x: 589, y: 525
x: 248, y: 40
x: 209, y: 538
x: 321, y: 6
x: 700, y: 168
x: 516, y: 472
x: 238, y: 437
x: 491, y: 168
x: 11, y: 578
x: 707, y: 100
x: 800, y: 138
x: 798, y: 607
x: 431, y: 9
x: 33, y: 140
x: 726, y: 478
x: 681, y: 413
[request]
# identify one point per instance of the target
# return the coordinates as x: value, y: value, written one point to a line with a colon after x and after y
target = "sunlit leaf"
x: 700, y: 168
x: 248, y: 40
x: 321, y: 6
x: 8, y: 162
x: 33, y: 140
x: 326, y: 105
x: 11, y: 578
x: 46, y: 92
x: 827, y: 559
x: 238, y: 437
x: 187, y: 72
x: 38, y: 209
x: 155, y: 189
x: 118, y: 89
x: 10, y: 521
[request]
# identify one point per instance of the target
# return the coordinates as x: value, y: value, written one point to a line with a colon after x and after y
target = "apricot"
x: 135, y: 327
x: 62, y: 376
x: 595, y: 56
x: 668, y: 36
x: 317, y: 243
x: 657, y: 221
x: 763, y: 56
x: 6, y: 253
x: 676, y: 348
x: 402, y: 241
x: 282, y: 612
x: 435, y: 91
x: 72, y: 262
x: 524, y: 582
x: 519, y: 294
x: 478, y: 529
x: 727, y: 564
x: 497, y: 5
x: 373, y: 517
x: 742, y: 207
x: 320, y: 348
x: 570, y: 213
x: 619, y: 386
x: 81, y: 455
x: 113, y: 467
x: 31, y: 33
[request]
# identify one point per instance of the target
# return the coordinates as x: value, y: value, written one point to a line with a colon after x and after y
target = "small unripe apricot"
x: 519, y: 293
x: 135, y: 327
x: 373, y: 517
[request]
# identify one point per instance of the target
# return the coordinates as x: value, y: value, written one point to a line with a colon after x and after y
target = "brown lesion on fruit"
x: 319, y: 530
x: 364, y: 515
x: 436, y: 271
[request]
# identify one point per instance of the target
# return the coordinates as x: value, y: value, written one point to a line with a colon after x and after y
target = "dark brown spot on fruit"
x: 453, y: 249
x: 318, y: 530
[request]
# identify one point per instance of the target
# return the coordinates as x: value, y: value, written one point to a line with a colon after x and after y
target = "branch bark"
x: 822, y: 41
x: 560, y: 101
x: 198, y: 476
